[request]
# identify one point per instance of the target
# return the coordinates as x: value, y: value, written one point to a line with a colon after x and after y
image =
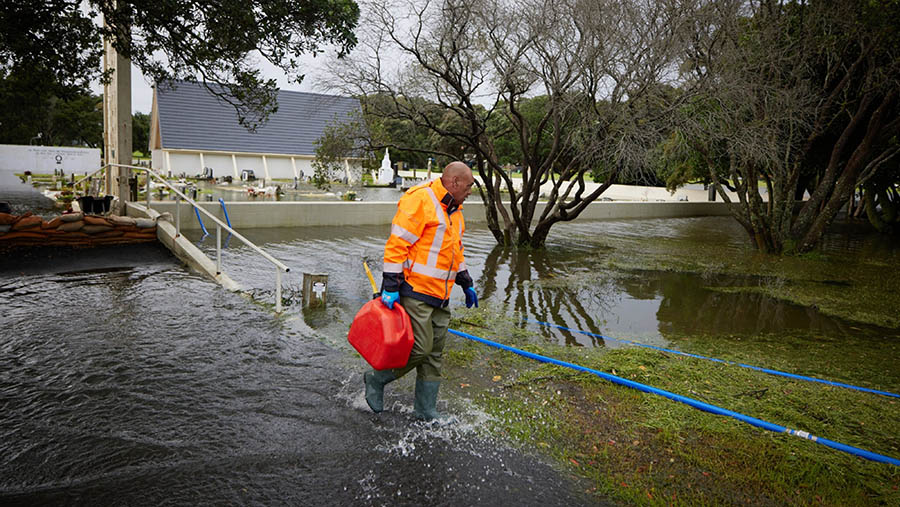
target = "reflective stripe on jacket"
x: 423, y: 256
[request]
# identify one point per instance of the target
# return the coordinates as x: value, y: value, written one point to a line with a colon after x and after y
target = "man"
x: 423, y: 258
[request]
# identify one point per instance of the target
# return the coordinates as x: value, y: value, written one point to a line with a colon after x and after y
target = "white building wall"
x: 185, y: 163
x: 224, y: 164
x: 45, y: 159
x: 304, y: 167
x: 280, y: 168
x: 220, y: 164
x: 158, y: 160
x: 254, y: 163
x: 252, y: 215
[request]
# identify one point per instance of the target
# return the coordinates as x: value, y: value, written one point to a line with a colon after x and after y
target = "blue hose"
x: 225, y: 211
x: 227, y: 221
x: 706, y: 407
x: 205, y: 232
x: 757, y: 368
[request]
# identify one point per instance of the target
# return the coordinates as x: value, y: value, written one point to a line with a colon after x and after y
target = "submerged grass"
x: 641, y: 448
x: 638, y: 448
x: 858, y: 288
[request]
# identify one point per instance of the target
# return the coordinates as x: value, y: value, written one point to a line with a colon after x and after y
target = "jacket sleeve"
x: 406, y: 229
x: 462, y: 276
x: 463, y: 279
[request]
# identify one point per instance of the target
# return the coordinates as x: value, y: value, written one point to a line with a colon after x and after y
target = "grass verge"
x: 635, y: 447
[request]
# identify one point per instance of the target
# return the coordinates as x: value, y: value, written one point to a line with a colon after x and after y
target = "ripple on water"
x: 135, y: 382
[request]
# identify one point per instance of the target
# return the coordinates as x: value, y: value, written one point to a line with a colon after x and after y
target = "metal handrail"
x: 279, y: 266
x: 88, y: 176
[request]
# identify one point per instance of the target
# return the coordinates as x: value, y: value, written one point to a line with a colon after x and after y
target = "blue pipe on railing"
x: 205, y: 232
x: 225, y: 212
x: 227, y: 220
x: 757, y: 368
x: 689, y: 401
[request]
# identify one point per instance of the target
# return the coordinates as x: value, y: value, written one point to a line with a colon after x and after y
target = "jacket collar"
x: 446, y: 199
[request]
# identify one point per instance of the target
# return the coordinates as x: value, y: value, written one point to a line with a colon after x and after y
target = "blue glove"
x: 389, y: 298
x: 471, y: 297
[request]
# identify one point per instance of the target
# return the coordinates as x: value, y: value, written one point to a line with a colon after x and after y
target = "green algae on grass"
x: 646, y: 449
x: 872, y: 363
x: 640, y: 448
x: 856, y: 288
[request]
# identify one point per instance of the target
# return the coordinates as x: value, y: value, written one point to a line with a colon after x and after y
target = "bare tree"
x: 606, y: 68
x: 802, y: 97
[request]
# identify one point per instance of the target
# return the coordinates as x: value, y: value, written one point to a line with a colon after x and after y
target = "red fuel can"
x: 384, y: 337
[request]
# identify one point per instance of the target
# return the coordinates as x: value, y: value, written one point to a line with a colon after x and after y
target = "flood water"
x: 133, y: 382
x: 565, y: 284
x: 22, y: 197
x: 128, y: 380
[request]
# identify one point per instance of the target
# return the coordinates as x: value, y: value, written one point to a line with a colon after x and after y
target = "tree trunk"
x: 872, y: 210
x: 847, y: 181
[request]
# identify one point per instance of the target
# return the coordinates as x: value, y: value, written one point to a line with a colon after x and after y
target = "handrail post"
x: 279, y: 266
x: 218, y: 249
x: 277, y: 289
x: 177, y: 215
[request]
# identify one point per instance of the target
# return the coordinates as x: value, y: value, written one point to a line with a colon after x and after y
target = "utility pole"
x: 117, y: 120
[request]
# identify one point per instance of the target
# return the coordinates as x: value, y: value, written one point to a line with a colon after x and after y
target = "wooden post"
x: 315, y: 286
x: 117, y: 121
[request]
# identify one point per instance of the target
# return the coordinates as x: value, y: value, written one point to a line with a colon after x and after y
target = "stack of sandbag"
x: 74, y: 229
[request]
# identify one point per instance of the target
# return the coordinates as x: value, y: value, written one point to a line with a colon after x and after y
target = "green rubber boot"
x: 375, y: 381
x: 426, y: 399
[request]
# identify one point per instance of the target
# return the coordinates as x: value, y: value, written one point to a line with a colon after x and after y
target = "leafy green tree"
x: 214, y: 41
x: 50, y: 34
x: 77, y: 121
x: 23, y: 103
x: 140, y: 132
x: 385, y: 128
x: 342, y: 138
x: 506, y: 141
x: 35, y: 109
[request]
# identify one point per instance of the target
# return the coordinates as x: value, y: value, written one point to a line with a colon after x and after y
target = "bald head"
x: 457, y: 179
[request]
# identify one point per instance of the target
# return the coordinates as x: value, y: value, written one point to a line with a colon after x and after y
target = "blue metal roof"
x: 192, y: 118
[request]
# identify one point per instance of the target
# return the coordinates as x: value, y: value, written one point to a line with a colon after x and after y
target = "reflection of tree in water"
x: 848, y: 238
x: 558, y: 286
x: 517, y: 275
x: 689, y: 306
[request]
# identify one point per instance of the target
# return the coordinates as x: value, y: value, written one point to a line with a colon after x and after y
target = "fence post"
x: 315, y: 286
x: 218, y: 249
x: 277, y: 289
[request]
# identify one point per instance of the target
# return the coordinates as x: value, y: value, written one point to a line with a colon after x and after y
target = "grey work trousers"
x: 429, y: 332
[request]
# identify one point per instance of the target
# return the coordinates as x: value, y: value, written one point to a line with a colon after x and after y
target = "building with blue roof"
x: 192, y: 129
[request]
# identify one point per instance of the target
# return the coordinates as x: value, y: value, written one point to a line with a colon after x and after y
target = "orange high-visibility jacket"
x: 423, y: 256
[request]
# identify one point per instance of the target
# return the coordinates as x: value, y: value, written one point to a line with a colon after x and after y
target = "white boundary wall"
x: 253, y: 215
x: 47, y: 159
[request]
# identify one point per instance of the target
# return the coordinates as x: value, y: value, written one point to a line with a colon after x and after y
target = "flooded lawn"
x: 692, y: 285
x: 635, y: 280
x: 127, y: 379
